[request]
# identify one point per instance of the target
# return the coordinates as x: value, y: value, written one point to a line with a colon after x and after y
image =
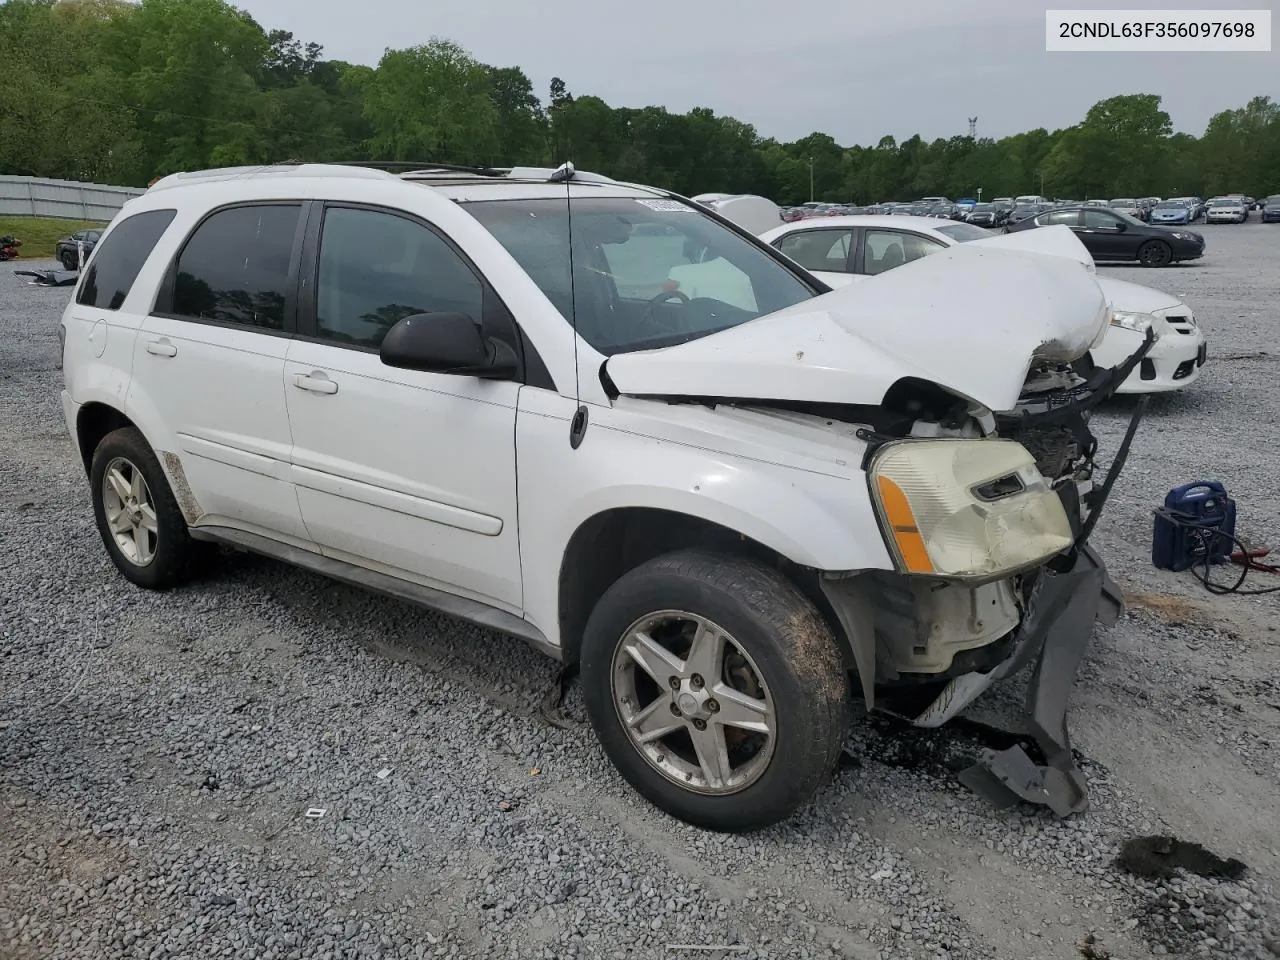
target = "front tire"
x: 138, y: 517
x: 1155, y: 253
x: 716, y: 689
x: 69, y: 261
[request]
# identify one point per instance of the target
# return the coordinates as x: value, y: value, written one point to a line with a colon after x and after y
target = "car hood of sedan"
x: 970, y: 318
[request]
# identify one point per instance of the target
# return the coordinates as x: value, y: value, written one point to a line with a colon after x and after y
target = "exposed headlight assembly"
x: 1130, y: 320
x: 973, y: 510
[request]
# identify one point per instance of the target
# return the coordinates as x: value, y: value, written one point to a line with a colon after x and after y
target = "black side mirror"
x: 1121, y: 226
x: 446, y: 343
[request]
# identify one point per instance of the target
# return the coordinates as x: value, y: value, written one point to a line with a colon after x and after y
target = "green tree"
x: 431, y: 102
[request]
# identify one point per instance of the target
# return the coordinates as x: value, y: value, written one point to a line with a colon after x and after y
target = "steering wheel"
x: 650, y: 313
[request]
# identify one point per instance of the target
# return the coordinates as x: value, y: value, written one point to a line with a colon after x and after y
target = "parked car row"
x: 1229, y: 208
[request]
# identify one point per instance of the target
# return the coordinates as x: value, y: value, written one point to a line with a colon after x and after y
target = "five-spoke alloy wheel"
x: 138, y: 517
x: 716, y: 688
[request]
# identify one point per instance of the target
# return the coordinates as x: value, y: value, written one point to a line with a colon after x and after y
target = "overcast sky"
x: 854, y: 69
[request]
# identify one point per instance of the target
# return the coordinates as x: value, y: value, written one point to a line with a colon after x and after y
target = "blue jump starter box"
x: 1197, y: 518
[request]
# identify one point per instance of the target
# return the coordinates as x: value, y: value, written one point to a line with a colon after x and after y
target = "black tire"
x: 173, y: 548
x: 795, y: 655
x: 1155, y: 253
x: 69, y: 260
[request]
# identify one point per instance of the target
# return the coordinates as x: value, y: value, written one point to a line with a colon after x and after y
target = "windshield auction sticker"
x: 1156, y: 31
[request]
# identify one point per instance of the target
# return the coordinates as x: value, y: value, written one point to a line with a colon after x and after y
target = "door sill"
x: 473, y: 611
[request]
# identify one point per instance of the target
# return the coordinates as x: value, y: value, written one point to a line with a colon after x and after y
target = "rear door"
x: 209, y: 361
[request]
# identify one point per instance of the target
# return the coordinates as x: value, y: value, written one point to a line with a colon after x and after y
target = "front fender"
x: 815, y: 519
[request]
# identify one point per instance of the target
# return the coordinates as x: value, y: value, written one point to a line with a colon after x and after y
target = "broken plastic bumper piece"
x: 1055, y: 632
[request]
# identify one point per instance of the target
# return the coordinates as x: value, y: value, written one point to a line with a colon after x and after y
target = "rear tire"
x: 1155, y: 253
x: 69, y: 261
x: 696, y: 660
x: 138, y: 517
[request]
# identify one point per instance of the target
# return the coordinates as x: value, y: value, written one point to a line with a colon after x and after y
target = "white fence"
x: 61, y: 199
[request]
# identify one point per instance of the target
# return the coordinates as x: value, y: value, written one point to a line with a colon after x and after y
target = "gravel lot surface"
x: 158, y: 751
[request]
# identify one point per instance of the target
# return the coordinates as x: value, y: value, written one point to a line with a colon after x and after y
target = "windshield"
x: 646, y: 272
x: 982, y: 208
x: 1170, y: 205
x: 1225, y: 203
x: 963, y: 232
x: 1122, y: 203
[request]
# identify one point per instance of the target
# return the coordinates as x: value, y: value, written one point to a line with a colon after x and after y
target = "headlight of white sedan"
x: 1130, y: 320
x: 973, y: 510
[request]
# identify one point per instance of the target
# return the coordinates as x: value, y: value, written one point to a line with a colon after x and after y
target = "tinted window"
x: 819, y: 249
x: 378, y: 268
x: 885, y: 249
x: 1069, y: 217
x: 116, y: 261
x: 646, y: 272
x: 1099, y: 220
x: 235, y: 267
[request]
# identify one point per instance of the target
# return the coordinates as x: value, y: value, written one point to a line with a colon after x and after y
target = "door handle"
x: 315, y: 381
x: 162, y: 348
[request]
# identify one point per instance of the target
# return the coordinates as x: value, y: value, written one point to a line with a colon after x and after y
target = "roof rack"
x: 421, y: 166
x: 291, y: 167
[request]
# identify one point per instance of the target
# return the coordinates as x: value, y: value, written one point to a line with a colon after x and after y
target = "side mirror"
x: 446, y: 343
x: 1121, y: 226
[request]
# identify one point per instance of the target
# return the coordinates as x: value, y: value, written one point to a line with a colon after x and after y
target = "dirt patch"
x: 1165, y: 606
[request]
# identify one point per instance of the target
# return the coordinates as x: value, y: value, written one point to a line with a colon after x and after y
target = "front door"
x: 406, y: 472
x: 210, y: 357
x: 1106, y: 235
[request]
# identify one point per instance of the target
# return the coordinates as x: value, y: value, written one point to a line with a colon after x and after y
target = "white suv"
x: 599, y: 417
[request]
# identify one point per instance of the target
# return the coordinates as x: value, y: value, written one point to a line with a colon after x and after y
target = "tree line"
x: 116, y: 92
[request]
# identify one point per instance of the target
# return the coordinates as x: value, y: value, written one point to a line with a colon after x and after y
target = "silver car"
x: 1227, y: 210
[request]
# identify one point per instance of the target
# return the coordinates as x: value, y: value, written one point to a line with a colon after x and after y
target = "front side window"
x: 819, y: 249
x: 640, y: 273
x: 885, y: 249
x: 1098, y: 220
x: 117, y: 262
x: 378, y: 268
x: 235, y: 266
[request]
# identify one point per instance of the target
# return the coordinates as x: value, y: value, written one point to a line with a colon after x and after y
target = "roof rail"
x: 417, y: 166
x: 291, y: 168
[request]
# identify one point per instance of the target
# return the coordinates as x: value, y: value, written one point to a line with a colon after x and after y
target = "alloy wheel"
x: 693, y: 702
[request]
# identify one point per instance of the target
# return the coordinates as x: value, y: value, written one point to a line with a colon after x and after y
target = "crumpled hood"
x: 1059, y: 240
x: 969, y: 318
x: 1062, y: 241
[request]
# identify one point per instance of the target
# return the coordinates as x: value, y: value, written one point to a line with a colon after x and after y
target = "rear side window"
x: 235, y: 266
x: 117, y: 261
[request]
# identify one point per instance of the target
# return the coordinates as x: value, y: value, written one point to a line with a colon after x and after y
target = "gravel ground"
x: 158, y: 751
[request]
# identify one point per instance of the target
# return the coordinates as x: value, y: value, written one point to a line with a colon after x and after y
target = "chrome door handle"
x: 315, y: 381
x: 162, y: 348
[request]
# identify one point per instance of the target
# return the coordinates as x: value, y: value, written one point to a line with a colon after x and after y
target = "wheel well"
x: 615, y: 542
x: 93, y: 422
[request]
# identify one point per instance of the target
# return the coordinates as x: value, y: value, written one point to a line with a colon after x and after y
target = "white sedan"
x: 845, y: 250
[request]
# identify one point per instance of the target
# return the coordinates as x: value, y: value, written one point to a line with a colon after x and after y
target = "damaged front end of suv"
x: 927, y: 645
x: 980, y: 465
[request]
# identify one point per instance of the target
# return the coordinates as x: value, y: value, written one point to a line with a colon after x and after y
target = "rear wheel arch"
x: 93, y: 422
x: 613, y: 542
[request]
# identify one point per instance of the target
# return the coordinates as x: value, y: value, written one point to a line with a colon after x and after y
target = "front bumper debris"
x: 1069, y: 595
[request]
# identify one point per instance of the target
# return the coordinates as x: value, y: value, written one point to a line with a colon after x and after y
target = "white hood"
x: 1059, y: 240
x: 933, y: 319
